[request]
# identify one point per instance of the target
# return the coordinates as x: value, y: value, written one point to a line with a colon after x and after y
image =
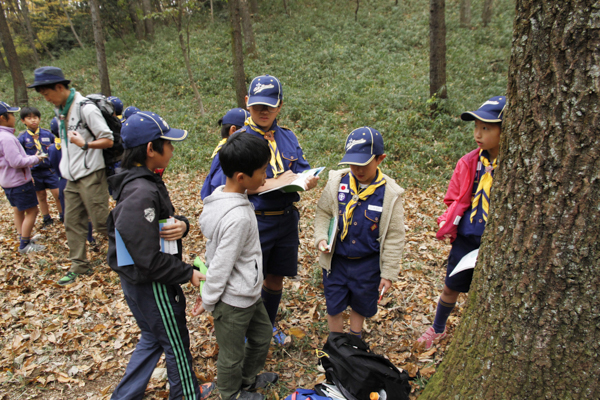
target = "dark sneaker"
x: 206, y: 389
x: 262, y: 380
x: 67, y: 279
x: 244, y: 395
x: 47, y: 222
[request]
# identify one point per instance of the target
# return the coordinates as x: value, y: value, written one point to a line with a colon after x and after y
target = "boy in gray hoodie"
x: 234, y: 278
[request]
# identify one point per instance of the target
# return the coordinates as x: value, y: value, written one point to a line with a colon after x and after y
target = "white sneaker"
x: 32, y: 247
x: 36, y: 238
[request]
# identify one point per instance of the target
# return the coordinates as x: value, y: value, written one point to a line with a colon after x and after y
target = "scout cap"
x: 235, y: 116
x: 146, y: 126
x: 5, y: 108
x: 54, y: 126
x: 490, y: 111
x: 129, y: 111
x: 117, y: 104
x: 362, y: 145
x: 43, y: 76
x: 265, y: 89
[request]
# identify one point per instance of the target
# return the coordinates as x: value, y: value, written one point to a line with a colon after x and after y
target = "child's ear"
x: 239, y: 177
x: 247, y: 107
x: 149, y: 150
x: 381, y: 158
x: 232, y: 129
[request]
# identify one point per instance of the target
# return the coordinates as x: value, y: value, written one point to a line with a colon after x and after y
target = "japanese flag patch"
x: 344, y: 188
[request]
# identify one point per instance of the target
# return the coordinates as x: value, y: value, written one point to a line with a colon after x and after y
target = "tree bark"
x: 531, y: 329
x: 465, y: 13
x: 19, y: 86
x: 239, y: 76
x: 3, y: 67
x: 71, y: 24
x: 30, y: 34
x: 100, y: 53
x: 253, y: 7
x: 486, y: 14
x: 437, y: 49
x: 138, y: 26
x: 148, y: 23
x: 249, y: 41
x: 185, y: 49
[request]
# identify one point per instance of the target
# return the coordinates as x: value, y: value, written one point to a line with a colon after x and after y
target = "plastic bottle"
x: 381, y: 395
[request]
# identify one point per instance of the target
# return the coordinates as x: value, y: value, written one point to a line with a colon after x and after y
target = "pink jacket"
x: 458, y: 196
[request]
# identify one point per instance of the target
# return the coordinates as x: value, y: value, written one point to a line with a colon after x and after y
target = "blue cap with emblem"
x: 117, y: 104
x: 129, y: 111
x: 146, y: 126
x: 265, y: 89
x: 362, y: 145
x: 5, y: 108
x: 235, y: 116
x: 490, y: 111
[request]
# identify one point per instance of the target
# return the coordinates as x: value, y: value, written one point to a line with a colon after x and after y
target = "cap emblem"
x: 260, y: 87
x: 493, y: 102
x: 353, y: 142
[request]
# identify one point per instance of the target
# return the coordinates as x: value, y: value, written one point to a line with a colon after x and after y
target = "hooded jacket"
x: 233, y: 253
x: 143, y: 200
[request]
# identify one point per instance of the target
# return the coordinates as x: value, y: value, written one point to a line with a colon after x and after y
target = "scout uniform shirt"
x: 32, y: 146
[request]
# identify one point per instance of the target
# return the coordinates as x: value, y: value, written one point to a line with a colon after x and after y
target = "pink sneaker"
x: 429, y: 336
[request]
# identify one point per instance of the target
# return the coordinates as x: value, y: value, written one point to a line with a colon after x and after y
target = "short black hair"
x: 226, y: 127
x: 27, y: 111
x: 137, y: 155
x: 52, y: 86
x: 5, y: 115
x: 244, y: 153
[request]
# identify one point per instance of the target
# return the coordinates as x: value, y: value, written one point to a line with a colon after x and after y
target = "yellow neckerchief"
x: 357, y: 194
x: 38, y: 145
x: 275, y: 162
x: 221, y: 143
x: 484, y: 187
x: 57, y: 143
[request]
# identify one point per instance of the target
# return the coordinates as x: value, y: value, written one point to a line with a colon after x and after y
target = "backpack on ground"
x: 357, y: 371
x: 112, y: 155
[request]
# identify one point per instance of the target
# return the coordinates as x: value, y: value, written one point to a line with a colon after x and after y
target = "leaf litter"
x: 74, y: 342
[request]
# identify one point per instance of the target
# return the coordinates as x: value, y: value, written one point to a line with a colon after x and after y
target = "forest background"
x: 340, y: 69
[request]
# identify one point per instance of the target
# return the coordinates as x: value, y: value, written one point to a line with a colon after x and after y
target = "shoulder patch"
x: 149, y: 214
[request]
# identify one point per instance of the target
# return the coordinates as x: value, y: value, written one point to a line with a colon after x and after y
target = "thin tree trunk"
x: 138, y: 25
x: 71, y: 24
x: 486, y: 14
x: 249, y: 41
x: 25, y: 15
x: 3, y: 67
x: 356, y: 11
x: 530, y: 330
x: 19, y: 86
x: 286, y: 8
x: 186, y: 51
x: 100, y: 53
x: 465, y: 13
x: 437, y: 49
x: 148, y: 23
x: 212, y: 12
x: 239, y: 76
x: 253, y: 7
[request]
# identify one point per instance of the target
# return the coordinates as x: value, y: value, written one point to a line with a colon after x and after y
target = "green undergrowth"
x: 338, y: 74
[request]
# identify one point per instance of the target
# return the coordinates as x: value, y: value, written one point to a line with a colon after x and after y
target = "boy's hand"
x: 174, y: 231
x: 198, y: 307
x: 285, y: 178
x: 312, y: 182
x: 384, y: 286
x: 441, y: 224
x: 75, y: 138
x: 197, y: 276
x: 323, y: 246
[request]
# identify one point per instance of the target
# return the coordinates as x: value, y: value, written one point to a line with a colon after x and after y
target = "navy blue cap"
x: 146, y: 126
x: 265, y: 89
x: 129, y: 111
x: 490, y: 111
x: 5, y: 108
x: 235, y: 116
x: 54, y: 126
x: 48, y: 76
x: 362, y: 145
x: 117, y: 104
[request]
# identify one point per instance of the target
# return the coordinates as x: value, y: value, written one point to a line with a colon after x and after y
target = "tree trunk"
x: 249, y: 41
x: 71, y: 24
x: 437, y: 49
x: 19, y: 86
x: 212, y: 12
x: 148, y: 23
x: 185, y: 49
x: 3, y: 67
x: 100, y: 53
x: 25, y: 15
x: 239, y: 76
x: 531, y: 328
x: 465, y: 13
x: 138, y: 26
x: 286, y: 8
x: 486, y: 14
x: 253, y: 7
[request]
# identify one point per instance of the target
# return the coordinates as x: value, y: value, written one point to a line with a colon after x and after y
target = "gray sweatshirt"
x: 233, y: 253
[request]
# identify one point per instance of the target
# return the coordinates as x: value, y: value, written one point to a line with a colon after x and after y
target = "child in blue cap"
x: 468, y: 201
x: 233, y: 120
x: 129, y: 111
x: 118, y: 106
x: 151, y: 278
x: 275, y: 211
x: 369, y: 242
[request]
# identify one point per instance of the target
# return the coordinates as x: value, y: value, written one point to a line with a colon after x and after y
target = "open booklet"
x: 332, y: 232
x: 298, y: 185
x: 166, y: 246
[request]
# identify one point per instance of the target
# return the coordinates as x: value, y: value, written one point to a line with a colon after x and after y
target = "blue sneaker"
x: 279, y: 337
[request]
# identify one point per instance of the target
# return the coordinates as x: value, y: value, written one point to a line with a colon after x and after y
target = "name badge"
x: 45, y: 139
x: 374, y: 208
x: 344, y: 188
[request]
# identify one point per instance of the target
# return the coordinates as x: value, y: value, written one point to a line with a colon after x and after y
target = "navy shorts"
x: 44, y: 179
x: 352, y: 282
x: 23, y: 197
x: 279, y: 242
x: 461, y: 246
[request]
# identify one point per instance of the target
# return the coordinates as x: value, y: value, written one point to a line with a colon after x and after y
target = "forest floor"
x: 74, y: 342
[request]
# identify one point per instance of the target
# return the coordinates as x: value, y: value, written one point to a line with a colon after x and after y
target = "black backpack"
x: 113, y: 154
x: 357, y: 371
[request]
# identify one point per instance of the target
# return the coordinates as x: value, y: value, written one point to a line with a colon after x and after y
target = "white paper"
x: 467, y: 262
